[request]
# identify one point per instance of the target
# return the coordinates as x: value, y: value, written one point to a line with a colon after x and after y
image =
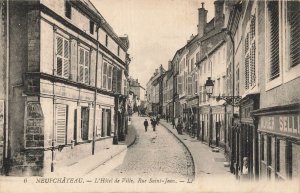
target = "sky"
x: 156, y: 29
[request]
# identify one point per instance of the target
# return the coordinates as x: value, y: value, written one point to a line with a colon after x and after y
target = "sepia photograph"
x: 189, y: 96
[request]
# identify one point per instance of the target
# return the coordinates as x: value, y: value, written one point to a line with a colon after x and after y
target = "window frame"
x: 84, y: 65
x: 62, y: 56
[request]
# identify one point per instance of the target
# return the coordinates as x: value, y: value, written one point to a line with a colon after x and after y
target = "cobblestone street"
x: 155, y: 154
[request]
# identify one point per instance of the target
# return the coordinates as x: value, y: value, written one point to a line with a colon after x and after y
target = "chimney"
x: 202, y: 19
x: 219, y: 14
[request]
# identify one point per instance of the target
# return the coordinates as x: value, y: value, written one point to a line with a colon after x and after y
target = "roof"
x: 120, y: 40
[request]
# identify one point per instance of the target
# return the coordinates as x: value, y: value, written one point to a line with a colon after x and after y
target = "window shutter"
x: 66, y: 59
x: 104, y: 75
x: 252, y: 64
x: 189, y: 85
x: 59, y: 54
x: 99, y: 122
x: 86, y: 67
x: 274, y: 38
x: 109, y: 79
x: 93, y: 67
x: 91, y: 123
x: 247, y: 73
x: 293, y: 15
x: 81, y: 67
x: 119, y: 81
x: 74, y: 61
x: 114, y: 79
x: 78, y: 124
x: 61, y: 124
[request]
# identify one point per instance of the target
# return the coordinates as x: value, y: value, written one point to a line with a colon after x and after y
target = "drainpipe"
x: 95, y: 94
x: 7, y: 91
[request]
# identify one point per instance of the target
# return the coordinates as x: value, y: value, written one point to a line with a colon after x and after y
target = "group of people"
x: 154, y: 121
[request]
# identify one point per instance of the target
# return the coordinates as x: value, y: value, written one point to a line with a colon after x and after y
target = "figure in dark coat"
x: 146, y: 124
x: 153, y: 123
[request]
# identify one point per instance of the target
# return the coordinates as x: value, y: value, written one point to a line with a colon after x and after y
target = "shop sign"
x: 281, y: 123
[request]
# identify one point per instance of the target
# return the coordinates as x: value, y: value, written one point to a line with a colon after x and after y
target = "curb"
x: 99, y: 164
x: 193, y: 162
x: 135, y: 136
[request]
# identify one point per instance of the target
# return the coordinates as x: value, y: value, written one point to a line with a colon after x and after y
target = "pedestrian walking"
x: 179, y: 128
x: 157, y: 120
x: 146, y: 125
x: 153, y: 123
x: 173, y: 123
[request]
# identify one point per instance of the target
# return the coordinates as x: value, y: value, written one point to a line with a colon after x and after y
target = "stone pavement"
x: 207, y: 163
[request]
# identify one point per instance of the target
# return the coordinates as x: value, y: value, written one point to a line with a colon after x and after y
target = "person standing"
x: 157, y: 120
x: 153, y: 123
x: 146, y: 125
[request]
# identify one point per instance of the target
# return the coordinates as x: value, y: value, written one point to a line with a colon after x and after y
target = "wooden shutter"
x: 78, y: 124
x: 104, y: 78
x: 293, y: 17
x: 119, y: 81
x: 274, y: 38
x: 74, y: 60
x: 59, y: 55
x: 109, y: 79
x: 114, y: 79
x: 247, y: 73
x: 93, y: 68
x: 66, y: 67
x: 81, y: 65
x: 189, y: 85
x: 61, y: 124
x: 91, y: 123
x: 99, y: 122
x: 86, y: 67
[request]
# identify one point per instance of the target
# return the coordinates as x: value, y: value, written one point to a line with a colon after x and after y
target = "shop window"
x: 295, y: 165
x: 106, y: 122
x: 62, y: 57
x: 281, y: 159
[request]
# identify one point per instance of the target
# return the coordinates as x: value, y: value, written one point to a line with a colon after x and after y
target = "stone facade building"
x: 67, y: 79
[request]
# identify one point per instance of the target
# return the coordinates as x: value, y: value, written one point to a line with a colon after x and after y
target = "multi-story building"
x: 154, y: 91
x: 137, y: 92
x: 66, y: 76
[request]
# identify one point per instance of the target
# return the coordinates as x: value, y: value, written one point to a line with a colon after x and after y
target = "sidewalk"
x: 207, y: 163
x: 90, y: 163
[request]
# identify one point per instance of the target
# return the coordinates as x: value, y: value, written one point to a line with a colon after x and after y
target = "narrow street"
x: 155, y: 154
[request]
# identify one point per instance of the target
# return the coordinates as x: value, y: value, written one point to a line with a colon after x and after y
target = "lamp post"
x: 231, y: 100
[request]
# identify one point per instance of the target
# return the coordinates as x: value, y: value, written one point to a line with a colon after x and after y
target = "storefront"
x: 248, y: 136
x: 204, y: 120
x: 218, y: 125
x: 279, y: 142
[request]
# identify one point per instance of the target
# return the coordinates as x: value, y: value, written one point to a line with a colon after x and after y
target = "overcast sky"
x: 156, y: 29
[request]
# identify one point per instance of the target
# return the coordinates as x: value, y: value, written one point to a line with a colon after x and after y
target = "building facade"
x: 68, y: 81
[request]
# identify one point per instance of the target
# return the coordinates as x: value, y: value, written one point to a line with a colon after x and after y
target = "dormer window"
x: 68, y: 9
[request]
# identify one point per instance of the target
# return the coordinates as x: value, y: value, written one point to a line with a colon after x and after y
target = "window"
x: 92, y: 24
x: 84, y: 58
x: 109, y: 78
x: 106, y: 40
x: 190, y: 82
x: 250, y: 73
x: 118, y: 50
x: 273, y: 13
x: 293, y: 15
x: 62, y: 57
x: 84, y: 123
x: 281, y: 159
x: 104, y: 79
x: 68, y: 9
x: 61, y: 115
x: 180, y: 91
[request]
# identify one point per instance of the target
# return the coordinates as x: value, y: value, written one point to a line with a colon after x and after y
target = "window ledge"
x: 273, y: 83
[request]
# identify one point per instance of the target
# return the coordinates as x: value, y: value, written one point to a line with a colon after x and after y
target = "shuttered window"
x: 250, y: 46
x: 109, y: 78
x: 293, y: 18
x: 104, y: 77
x: 84, y: 61
x: 114, y: 79
x: 61, y: 124
x: 62, y: 57
x: 119, y: 81
x: 273, y: 12
x: 190, y: 83
x: 179, y: 83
